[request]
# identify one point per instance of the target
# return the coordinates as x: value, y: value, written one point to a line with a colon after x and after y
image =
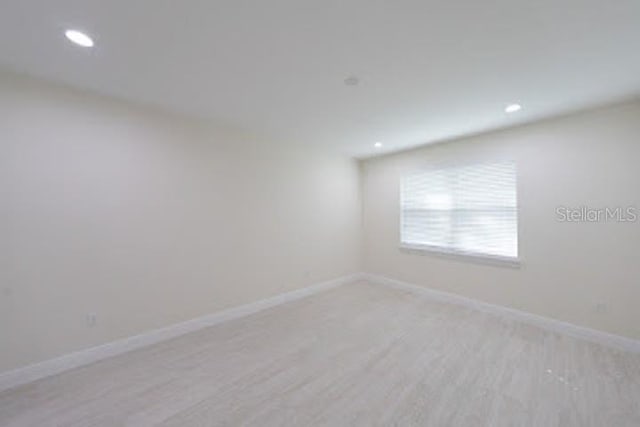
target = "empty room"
x: 319, y: 213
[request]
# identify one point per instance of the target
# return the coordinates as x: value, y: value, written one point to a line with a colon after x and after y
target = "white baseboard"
x: 60, y: 364
x: 80, y: 358
x: 592, y: 335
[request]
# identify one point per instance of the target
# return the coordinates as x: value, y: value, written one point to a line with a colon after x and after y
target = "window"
x: 470, y: 210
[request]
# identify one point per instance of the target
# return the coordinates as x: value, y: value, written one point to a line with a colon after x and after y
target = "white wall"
x: 147, y: 219
x: 588, y: 159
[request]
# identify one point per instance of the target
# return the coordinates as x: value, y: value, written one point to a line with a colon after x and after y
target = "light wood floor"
x: 358, y: 355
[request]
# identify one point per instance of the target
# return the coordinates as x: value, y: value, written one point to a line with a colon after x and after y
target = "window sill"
x: 461, y: 255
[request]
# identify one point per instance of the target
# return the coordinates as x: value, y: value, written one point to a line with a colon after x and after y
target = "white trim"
x: 80, y: 358
x: 451, y: 253
x: 60, y: 364
x: 581, y: 332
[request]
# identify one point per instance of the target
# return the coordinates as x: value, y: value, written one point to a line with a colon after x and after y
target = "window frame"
x: 458, y: 254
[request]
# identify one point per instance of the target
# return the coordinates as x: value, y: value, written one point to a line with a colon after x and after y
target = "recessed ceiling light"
x: 79, y: 38
x: 378, y: 144
x: 512, y: 108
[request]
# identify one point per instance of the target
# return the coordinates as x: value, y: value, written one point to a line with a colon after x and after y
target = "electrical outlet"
x: 92, y: 319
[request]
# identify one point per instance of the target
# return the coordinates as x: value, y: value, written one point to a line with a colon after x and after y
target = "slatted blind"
x: 470, y: 210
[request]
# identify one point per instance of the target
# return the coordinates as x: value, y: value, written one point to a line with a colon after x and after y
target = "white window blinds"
x: 468, y: 210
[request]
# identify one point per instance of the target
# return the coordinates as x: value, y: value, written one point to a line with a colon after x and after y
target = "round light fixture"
x: 378, y: 144
x: 512, y: 108
x: 79, y: 38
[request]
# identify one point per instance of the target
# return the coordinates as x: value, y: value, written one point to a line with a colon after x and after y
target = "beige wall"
x: 147, y: 219
x: 589, y: 159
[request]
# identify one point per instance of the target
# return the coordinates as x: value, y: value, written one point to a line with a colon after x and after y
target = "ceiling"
x: 428, y: 70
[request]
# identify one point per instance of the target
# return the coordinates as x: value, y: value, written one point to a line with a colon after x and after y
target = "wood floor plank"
x: 359, y: 355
